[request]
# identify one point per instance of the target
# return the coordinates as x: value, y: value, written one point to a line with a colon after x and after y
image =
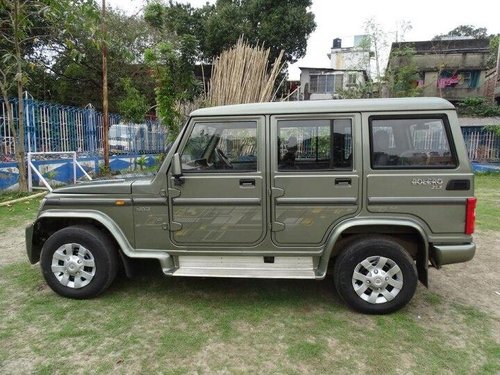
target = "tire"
x: 375, y: 275
x: 79, y: 262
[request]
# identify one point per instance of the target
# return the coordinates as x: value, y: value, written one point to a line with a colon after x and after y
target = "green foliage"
x: 133, y: 106
x: 493, y: 55
x: 66, y: 67
x: 495, y: 129
x: 280, y: 25
x: 359, y: 91
x: 104, y: 171
x: 465, y: 30
x: 402, y: 75
x: 141, y: 161
x: 478, y: 107
x: 172, y: 64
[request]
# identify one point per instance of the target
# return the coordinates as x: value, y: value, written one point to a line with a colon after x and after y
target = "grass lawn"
x: 18, y: 213
x: 488, y: 204
x: 154, y: 324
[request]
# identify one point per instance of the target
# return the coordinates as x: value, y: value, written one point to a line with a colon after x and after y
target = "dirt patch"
x: 12, y: 245
x: 476, y: 282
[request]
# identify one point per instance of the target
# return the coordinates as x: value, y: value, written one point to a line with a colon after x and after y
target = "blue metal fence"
x: 482, y: 145
x: 53, y: 128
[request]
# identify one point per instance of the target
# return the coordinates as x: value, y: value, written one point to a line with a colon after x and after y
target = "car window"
x: 410, y: 143
x: 216, y: 147
x: 314, y: 144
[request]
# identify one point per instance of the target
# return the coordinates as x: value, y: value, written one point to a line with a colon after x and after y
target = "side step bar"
x: 245, y: 267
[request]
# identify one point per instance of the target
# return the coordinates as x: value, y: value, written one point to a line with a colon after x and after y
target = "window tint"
x: 221, y: 147
x: 315, y: 144
x: 410, y: 143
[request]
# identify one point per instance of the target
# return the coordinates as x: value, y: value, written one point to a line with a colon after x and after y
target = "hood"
x: 115, y: 186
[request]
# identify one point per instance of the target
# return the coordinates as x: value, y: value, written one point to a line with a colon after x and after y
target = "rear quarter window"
x: 411, y: 143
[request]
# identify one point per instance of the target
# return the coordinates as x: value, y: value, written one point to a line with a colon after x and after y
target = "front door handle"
x: 342, y: 181
x: 247, y: 182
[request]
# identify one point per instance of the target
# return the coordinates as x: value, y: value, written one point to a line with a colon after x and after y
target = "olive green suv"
x: 372, y: 192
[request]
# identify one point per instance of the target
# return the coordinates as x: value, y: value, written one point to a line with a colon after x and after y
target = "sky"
x: 336, y: 19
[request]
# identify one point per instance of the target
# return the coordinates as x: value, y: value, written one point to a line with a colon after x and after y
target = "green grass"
x: 18, y: 214
x: 153, y: 323
x: 488, y: 204
x: 11, y: 195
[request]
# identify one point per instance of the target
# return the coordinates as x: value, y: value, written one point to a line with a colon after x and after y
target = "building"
x: 349, y: 68
x: 492, y: 84
x: 453, y: 69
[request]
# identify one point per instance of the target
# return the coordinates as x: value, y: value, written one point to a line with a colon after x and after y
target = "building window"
x: 322, y: 83
x: 352, y: 79
x: 465, y: 79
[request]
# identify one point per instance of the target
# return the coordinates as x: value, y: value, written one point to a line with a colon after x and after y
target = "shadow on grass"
x: 240, y: 291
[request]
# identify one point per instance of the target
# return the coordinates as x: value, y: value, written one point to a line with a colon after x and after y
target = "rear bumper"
x: 449, y: 254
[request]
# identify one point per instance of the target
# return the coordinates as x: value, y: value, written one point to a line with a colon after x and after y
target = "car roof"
x: 327, y: 106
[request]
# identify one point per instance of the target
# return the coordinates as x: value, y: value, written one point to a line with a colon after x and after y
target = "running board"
x: 245, y: 267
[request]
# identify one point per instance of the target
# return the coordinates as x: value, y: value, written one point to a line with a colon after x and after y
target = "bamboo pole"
x: 242, y: 75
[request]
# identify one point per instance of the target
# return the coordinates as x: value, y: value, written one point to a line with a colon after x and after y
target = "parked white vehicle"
x: 128, y: 137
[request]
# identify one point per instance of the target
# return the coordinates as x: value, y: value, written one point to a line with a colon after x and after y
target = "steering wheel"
x: 222, y: 157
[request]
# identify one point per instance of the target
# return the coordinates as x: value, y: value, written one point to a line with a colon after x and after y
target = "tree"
x: 402, y: 74
x: 134, y: 105
x: 376, y: 40
x: 465, y: 31
x: 172, y: 66
x: 17, y: 37
x: 70, y: 74
x: 279, y: 24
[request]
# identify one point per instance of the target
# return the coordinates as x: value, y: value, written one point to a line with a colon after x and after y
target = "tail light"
x: 470, y: 215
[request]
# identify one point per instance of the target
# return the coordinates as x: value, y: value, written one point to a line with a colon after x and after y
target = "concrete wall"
x: 350, y: 59
x: 430, y: 87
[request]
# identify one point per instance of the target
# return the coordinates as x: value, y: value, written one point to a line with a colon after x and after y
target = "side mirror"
x: 177, y: 169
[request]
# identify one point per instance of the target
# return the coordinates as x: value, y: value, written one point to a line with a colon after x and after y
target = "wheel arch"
x: 404, y: 231
x: 50, y: 221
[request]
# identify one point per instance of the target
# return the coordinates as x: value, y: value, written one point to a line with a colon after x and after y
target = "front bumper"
x: 29, y: 244
x: 449, y: 254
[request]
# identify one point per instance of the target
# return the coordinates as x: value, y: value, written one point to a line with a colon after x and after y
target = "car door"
x: 220, y: 200
x: 315, y: 175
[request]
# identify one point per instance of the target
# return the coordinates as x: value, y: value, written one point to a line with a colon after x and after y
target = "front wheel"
x: 375, y: 275
x: 79, y: 262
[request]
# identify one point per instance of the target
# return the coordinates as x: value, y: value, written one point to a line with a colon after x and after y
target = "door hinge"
x: 277, y: 226
x: 277, y: 192
x: 175, y: 226
x: 173, y: 193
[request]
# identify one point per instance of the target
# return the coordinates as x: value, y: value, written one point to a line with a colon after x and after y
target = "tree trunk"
x: 105, y: 111
x: 20, y: 151
x: 19, y: 140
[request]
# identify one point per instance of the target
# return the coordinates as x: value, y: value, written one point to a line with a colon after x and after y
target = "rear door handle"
x: 247, y: 182
x: 342, y: 181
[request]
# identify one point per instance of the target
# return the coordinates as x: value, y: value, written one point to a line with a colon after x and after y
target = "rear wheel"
x: 79, y: 262
x: 375, y: 275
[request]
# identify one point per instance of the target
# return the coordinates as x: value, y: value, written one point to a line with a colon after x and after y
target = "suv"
x: 371, y: 191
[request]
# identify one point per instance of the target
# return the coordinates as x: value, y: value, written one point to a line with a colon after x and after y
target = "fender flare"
x: 164, y: 258
x: 351, y: 223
